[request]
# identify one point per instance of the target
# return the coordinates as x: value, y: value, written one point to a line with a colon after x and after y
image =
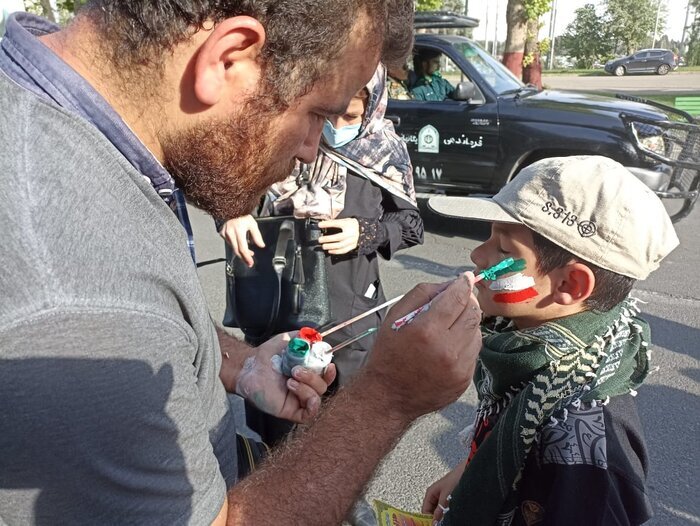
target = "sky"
x: 565, y: 14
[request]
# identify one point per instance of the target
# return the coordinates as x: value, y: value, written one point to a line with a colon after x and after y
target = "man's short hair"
x: 610, y: 287
x: 302, y: 37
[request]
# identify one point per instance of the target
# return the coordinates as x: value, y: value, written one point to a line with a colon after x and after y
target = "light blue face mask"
x: 335, y: 138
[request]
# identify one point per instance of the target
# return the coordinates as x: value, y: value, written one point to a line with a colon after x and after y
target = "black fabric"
x: 262, y: 301
x: 353, y: 280
x: 609, y: 494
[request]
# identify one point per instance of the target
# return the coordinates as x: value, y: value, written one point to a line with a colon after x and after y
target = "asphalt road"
x: 669, y: 402
x: 676, y: 82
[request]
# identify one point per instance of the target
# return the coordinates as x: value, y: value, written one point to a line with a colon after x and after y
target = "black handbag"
x: 287, y: 287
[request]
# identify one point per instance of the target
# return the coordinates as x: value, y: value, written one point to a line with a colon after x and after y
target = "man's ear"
x: 574, y: 284
x: 228, y: 59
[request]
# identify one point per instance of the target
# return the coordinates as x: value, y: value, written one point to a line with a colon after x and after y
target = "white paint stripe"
x: 513, y: 283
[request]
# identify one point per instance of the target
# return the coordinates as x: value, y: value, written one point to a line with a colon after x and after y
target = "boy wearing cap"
x: 556, y: 438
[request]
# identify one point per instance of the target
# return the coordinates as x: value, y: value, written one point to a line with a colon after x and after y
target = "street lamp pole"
x: 552, y: 34
x: 681, y: 50
x: 494, y: 48
x: 656, y: 25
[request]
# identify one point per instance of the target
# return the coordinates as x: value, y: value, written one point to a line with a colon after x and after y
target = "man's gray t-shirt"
x: 111, y: 409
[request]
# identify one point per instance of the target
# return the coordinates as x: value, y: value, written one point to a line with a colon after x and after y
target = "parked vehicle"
x: 492, y: 125
x: 659, y: 61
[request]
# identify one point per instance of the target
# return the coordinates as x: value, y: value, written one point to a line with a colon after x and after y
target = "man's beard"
x: 224, y: 166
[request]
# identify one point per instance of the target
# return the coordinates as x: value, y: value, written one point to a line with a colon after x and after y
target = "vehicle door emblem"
x: 428, y: 140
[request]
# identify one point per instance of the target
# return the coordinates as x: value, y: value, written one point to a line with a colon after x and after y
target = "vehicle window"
x: 494, y: 73
x: 639, y: 56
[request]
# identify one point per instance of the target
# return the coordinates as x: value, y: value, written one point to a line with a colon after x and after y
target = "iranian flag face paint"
x: 513, y: 289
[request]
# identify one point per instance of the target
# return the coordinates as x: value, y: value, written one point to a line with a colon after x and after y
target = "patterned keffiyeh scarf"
x: 378, y: 154
x: 527, y: 378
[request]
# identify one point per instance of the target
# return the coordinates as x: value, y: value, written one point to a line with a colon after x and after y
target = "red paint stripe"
x: 515, y: 297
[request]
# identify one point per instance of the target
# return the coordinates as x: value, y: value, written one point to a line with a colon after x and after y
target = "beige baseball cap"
x: 590, y: 205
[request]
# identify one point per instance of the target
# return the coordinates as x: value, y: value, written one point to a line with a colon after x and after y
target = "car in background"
x: 492, y: 125
x: 659, y: 61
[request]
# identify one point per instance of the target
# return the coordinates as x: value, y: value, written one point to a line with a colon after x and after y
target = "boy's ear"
x: 228, y: 59
x: 574, y: 284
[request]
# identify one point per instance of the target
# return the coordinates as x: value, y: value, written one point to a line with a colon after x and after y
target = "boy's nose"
x: 478, y: 257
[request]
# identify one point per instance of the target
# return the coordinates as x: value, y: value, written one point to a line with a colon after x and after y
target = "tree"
x: 63, y: 11
x: 587, y: 38
x: 532, y: 66
x: 455, y: 6
x: 693, y: 55
x: 632, y: 22
x: 515, y: 37
x: 428, y: 5
x: 522, y: 51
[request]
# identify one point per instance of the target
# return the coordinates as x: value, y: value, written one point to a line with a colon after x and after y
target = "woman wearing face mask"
x: 361, y: 186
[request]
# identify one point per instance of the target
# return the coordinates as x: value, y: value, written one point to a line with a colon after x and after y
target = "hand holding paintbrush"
x: 504, y: 267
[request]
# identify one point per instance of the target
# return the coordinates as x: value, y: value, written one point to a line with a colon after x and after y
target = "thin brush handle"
x: 360, y: 316
x: 352, y: 340
x: 408, y: 318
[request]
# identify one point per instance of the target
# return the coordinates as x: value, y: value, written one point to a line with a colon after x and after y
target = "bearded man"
x: 113, y: 377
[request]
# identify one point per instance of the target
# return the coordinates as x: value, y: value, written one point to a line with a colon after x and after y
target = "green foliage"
x: 534, y: 9
x: 428, y: 5
x: 692, y: 57
x: 587, y: 38
x: 455, y: 6
x: 64, y: 12
x: 631, y: 22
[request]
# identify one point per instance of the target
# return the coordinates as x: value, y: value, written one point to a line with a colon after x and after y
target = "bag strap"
x: 279, y: 263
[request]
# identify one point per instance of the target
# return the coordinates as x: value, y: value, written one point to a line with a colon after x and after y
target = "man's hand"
x: 344, y: 241
x: 236, y: 231
x: 297, y: 399
x: 430, y: 362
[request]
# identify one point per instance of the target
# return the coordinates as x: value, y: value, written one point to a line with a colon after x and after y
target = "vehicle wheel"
x: 619, y: 71
x: 663, y: 69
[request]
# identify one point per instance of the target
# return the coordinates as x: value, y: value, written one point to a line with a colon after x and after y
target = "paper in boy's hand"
x: 389, y: 516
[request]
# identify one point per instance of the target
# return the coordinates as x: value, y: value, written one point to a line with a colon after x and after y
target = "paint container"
x: 319, y: 357
x: 294, y: 354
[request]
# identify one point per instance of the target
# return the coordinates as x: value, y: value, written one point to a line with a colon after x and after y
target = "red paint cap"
x: 310, y: 334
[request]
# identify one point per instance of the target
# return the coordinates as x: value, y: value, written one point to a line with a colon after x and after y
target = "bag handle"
x: 279, y: 263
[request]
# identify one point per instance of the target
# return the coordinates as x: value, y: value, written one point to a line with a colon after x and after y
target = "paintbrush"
x: 352, y: 340
x: 360, y: 316
x: 491, y: 273
x: 504, y: 267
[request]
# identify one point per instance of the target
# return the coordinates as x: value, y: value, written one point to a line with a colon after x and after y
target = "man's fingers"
x: 416, y: 297
x: 309, y: 401
x: 449, y: 305
x: 316, y: 382
x: 329, y: 374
